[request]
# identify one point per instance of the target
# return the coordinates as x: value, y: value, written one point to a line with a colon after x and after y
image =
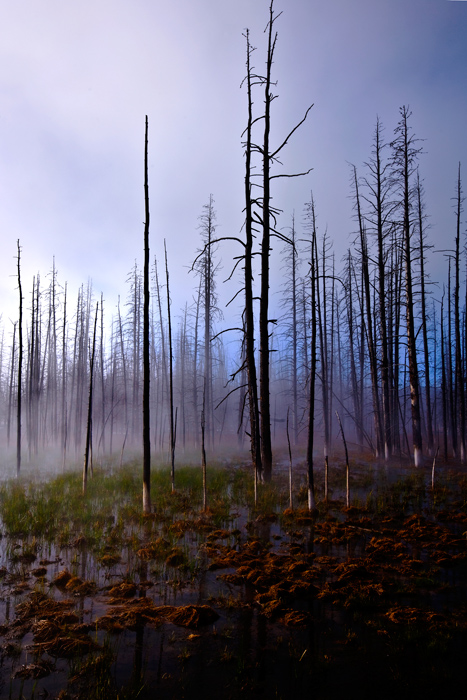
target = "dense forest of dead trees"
x: 363, y: 332
x: 376, y: 340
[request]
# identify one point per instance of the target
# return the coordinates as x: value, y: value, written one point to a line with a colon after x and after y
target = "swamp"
x: 101, y: 601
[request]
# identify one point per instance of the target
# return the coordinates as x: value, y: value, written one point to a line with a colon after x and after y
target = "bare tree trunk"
x: 124, y: 370
x: 10, y: 392
x: 183, y: 345
x: 203, y: 453
x: 88, y: 447
x: 31, y: 370
x: 347, y: 467
x: 310, y: 208
x: 265, y: 408
x: 255, y: 443
x: 444, y: 398
x: 290, y: 464
x: 146, y: 367
x: 194, y: 386
x: 404, y: 161
x: 20, y: 366
x: 321, y: 305
x: 103, y: 417
x: 422, y: 247
x: 381, y: 193
x: 353, y: 369
x: 460, y: 386
x: 369, y: 321
x: 165, y: 380
x: 64, y: 385
x: 171, y: 386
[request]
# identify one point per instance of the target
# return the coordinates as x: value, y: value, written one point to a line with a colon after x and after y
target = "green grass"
x: 113, y: 501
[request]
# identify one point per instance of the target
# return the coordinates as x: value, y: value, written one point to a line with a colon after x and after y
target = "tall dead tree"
x: 20, y: 365
x: 459, y: 373
x: 290, y: 304
x: 380, y: 207
x: 146, y: 365
x: 268, y: 222
x: 422, y: 246
x: 171, y: 381
x: 248, y: 319
x: 64, y: 410
x: 405, y: 152
x: 369, y: 322
x: 352, y: 332
x: 264, y: 396
x: 311, y: 226
x: 12, y: 377
x: 88, y: 446
x: 205, y: 268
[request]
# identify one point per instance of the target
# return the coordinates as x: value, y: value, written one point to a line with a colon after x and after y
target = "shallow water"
x: 245, y: 651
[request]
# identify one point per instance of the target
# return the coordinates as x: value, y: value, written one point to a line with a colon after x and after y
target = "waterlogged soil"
x: 267, y: 603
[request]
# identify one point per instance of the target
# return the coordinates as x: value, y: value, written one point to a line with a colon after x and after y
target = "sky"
x: 78, y: 79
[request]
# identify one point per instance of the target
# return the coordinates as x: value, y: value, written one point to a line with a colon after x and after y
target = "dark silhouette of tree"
x: 422, y: 247
x: 405, y: 153
x: 20, y: 365
x: 459, y: 373
x: 146, y: 365
x: 380, y: 208
x: 88, y: 447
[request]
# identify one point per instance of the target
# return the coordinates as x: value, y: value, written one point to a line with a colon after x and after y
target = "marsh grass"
x: 57, y: 507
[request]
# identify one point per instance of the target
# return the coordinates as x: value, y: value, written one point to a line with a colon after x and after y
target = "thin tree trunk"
x: 20, y: 367
x: 171, y: 386
x: 88, y: 448
x: 264, y: 369
x: 146, y: 366
x: 460, y: 388
x: 255, y: 443
x: 426, y: 355
x: 10, y: 392
x: 312, y: 381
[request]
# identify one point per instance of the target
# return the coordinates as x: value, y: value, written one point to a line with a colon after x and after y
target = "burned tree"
x: 20, y: 365
x: 146, y: 365
x: 380, y: 207
x: 88, y: 447
x: 405, y: 153
x: 459, y: 373
x: 267, y: 219
x: 206, y: 269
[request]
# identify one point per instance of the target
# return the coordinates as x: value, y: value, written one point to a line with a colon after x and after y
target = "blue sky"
x: 77, y: 79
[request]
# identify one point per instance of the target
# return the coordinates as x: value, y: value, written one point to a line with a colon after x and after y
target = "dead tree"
x: 20, y: 365
x: 248, y: 317
x: 146, y: 365
x: 424, y: 319
x: 206, y: 269
x: 171, y: 383
x: 88, y: 446
x: 405, y: 152
x: 380, y: 207
x: 268, y: 222
x: 459, y: 373
x: 10, y: 391
x: 367, y: 306
x: 64, y: 409
x: 290, y: 304
x: 310, y: 223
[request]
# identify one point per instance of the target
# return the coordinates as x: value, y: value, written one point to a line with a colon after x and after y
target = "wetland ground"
x: 99, y: 602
